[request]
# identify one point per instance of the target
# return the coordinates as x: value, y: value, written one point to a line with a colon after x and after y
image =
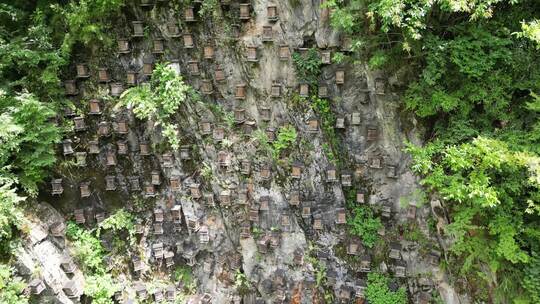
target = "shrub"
x: 159, y: 100
x: 363, y: 224
x: 308, y: 66
x: 11, y: 288
x: 27, y: 139
x: 87, y: 248
x: 378, y: 292
x: 90, y: 254
x: 286, y: 137
x: 100, y: 288
x: 120, y: 220
x: 11, y: 216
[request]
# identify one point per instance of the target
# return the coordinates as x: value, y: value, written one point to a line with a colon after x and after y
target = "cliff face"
x: 265, y: 233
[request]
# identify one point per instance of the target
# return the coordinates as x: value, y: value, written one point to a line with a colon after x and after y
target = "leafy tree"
x: 88, y: 21
x: 29, y: 56
x: 11, y: 216
x: 531, y: 30
x: 470, y: 81
x: 27, y: 139
x: 493, y: 197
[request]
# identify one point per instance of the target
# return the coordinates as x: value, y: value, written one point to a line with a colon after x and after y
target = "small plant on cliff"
x: 182, y: 274
x: 241, y: 282
x: 86, y: 247
x: 286, y: 137
x: 159, y: 100
x: 262, y: 142
x: 328, y: 121
x: 308, y: 66
x: 121, y: 220
x: 363, y: 224
x: 209, y: 8
x: 378, y: 292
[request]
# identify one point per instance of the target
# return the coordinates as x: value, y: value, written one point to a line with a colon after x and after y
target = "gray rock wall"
x: 280, y: 261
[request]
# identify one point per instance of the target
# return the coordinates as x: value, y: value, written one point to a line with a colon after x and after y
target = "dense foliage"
x: 90, y: 255
x: 11, y: 287
x: 27, y: 140
x: 11, y: 216
x: 471, y: 78
x: 494, y: 193
x: 37, y: 39
x: 364, y: 224
x: 308, y: 66
x: 378, y: 292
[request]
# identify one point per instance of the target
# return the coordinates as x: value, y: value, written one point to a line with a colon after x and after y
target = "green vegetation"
x: 378, y: 292
x: 328, y: 121
x: 364, y: 224
x: 531, y: 30
x: 27, y: 140
x: 263, y: 145
x: 210, y: 8
x: 320, y: 274
x: 37, y: 39
x: 338, y: 57
x: 286, y: 137
x: 120, y: 221
x: 531, y: 280
x: 308, y: 66
x: 183, y: 274
x: 90, y: 255
x: 494, y: 191
x: 322, y: 107
x: 256, y: 232
x: 87, y: 21
x: 241, y: 282
x: 159, y: 100
x: 100, y: 287
x: 87, y: 248
x: 11, y: 288
x: 470, y: 78
x: 11, y: 217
